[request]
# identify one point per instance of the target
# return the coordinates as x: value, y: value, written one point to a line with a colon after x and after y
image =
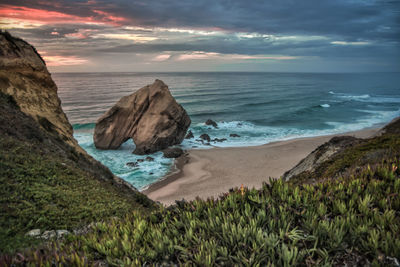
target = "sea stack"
x: 151, y: 117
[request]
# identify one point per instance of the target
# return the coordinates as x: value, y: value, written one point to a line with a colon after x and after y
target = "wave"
x: 145, y: 173
x: 325, y: 106
x: 367, y: 98
x: 375, y: 119
x: 353, y: 97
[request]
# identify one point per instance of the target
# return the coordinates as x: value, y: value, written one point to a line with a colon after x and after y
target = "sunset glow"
x: 38, y: 17
x: 53, y: 61
x: 157, y: 36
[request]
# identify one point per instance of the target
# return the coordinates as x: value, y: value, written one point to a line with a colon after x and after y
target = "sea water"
x: 259, y: 107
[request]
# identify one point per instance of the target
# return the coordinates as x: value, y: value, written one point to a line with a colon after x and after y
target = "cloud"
x: 349, y: 43
x: 160, y: 58
x: 137, y: 38
x: 196, y: 55
x: 53, y: 61
x: 185, y: 32
x: 25, y: 17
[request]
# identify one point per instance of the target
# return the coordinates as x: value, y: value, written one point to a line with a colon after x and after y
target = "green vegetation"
x: 40, y: 191
x: 344, y: 221
x: 42, y: 187
x: 346, y: 162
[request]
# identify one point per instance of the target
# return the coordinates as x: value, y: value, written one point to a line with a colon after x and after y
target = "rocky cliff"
x: 320, y: 155
x: 47, y: 181
x: 24, y: 76
x: 343, y: 155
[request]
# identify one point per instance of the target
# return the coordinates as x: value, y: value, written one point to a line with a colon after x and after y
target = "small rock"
x: 212, y: 123
x: 132, y: 164
x: 234, y: 135
x: 205, y: 137
x: 140, y: 160
x: 151, y: 173
x: 189, y: 135
x: 149, y: 159
x: 219, y: 140
x: 61, y: 233
x: 49, y: 234
x: 33, y: 233
x: 173, y: 152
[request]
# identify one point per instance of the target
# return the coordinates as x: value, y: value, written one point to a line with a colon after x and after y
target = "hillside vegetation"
x: 346, y: 212
x: 47, y: 184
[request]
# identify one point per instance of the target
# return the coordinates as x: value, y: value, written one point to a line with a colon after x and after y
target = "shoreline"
x: 210, y: 172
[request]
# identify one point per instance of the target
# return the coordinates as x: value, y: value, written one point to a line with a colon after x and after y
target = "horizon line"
x: 288, y: 72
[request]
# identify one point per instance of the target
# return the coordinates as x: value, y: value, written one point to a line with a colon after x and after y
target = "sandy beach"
x: 211, y: 172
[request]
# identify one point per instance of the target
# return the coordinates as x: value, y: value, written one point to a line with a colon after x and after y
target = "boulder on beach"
x: 205, y: 137
x: 234, y: 135
x: 189, y: 135
x: 151, y: 117
x: 173, y: 152
x: 132, y: 164
x: 150, y: 159
x: 212, y: 123
x: 219, y: 140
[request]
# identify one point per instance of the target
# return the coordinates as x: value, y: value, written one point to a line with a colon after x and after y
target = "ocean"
x: 259, y: 107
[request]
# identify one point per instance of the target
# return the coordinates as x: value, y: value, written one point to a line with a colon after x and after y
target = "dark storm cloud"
x: 348, y: 19
x: 336, y: 29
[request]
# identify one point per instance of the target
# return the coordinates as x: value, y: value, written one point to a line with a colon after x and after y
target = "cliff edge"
x: 24, y: 76
x: 47, y: 181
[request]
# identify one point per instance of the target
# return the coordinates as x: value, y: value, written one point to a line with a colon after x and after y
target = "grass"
x: 345, y: 221
x: 345, y: 163
x: 40, y: 191
x: 43, y: 186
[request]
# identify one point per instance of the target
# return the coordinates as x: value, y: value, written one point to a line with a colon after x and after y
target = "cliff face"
x: 344, y: 155
x: 24, y: 76
x: 48, y: 181
x: 320, y: 155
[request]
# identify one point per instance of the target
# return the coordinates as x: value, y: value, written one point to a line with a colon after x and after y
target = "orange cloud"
x: 196, y: 55
x: 25, y: 17
x: 62, y: 60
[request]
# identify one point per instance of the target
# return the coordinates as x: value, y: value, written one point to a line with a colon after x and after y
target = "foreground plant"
x: 352, y: 220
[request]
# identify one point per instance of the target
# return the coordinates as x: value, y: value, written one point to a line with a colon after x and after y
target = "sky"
x: 209, y: 35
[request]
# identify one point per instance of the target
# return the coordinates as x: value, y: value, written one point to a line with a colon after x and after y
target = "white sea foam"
x: 353, y: 97
x: 146, y: 173
x: 368, y: 98
x: 325, y: 105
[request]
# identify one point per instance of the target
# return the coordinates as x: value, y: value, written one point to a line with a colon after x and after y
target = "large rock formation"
x: 24, y: 76
x: 150, y: 116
